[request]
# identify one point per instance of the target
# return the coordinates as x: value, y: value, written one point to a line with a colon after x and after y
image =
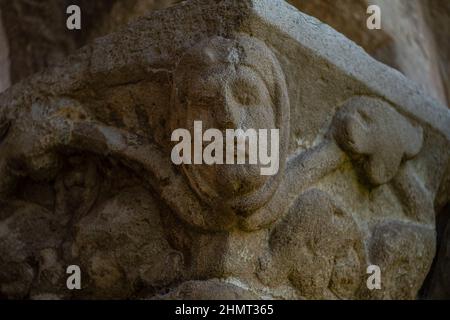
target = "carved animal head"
x: 377, y: 137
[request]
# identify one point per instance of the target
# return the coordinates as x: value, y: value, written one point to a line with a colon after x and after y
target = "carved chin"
x: 238, y: 180
x: 225, y: 182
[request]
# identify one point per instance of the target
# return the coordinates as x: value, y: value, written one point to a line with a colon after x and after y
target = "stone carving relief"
x: 110, y: 199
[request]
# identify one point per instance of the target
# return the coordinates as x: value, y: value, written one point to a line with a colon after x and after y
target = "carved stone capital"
x: 85, y: 156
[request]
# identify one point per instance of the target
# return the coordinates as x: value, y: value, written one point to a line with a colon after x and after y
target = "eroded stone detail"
x: 87, y: 162
x: 404, y: 252
x: 318, y: 265
x: 378, y: 136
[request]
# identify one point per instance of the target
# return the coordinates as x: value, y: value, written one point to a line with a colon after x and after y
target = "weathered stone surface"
x: 377, y: 136
x: 413, y: 38
x: 404, y: 252
x: 208, y: 290
x: 416, y: 52
x: 318, y: 248
x: 36, y: 30
x: 85, y: 155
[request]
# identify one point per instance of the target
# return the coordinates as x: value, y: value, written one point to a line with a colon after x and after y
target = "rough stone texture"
x: 87, y: 179
x: 37, y: 33
x: 413, y: 38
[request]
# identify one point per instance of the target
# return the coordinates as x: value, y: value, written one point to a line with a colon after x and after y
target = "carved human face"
x: 228, y: 97
x: 225, y: 92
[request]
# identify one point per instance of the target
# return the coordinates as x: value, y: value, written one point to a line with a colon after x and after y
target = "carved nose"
x: 230, y: 117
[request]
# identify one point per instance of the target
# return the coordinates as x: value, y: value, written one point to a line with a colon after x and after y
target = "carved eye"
x: 246, y: 93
